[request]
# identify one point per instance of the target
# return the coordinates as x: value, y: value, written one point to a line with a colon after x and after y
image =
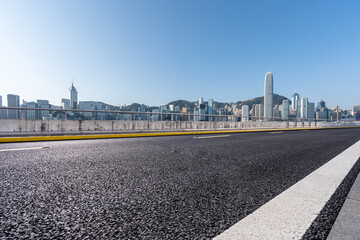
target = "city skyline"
x: 68, y: 103
x: 157, y: 52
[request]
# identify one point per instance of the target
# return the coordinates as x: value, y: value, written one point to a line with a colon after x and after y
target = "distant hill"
x: 277, y: 100
x: 191, y: 105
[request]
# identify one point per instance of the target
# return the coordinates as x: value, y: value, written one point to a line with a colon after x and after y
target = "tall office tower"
x: 295, y: 101
x: 321, y: 105
x: 65, y: 103
x: 295, y: 104
x: 245, y: 113
x: 171, y: 107
x: 13, y: 101
x: 276, y: 113
x: 357, y: 112
x: 311, y: 111
x: 322, y: 115
x: 2, y: 111
x: 257, y: 112
x: 261, y: 111
x: 43, y: 104
x: 73, y: 95
x: 202, y: 108
x: 143, y: 109
x: 268, y: 97
x: 304, y: 104
x: 285, y: 110
x: 31, y: 114
x: 210, y: 109
x: 201, y: 101
x: 337, y: 114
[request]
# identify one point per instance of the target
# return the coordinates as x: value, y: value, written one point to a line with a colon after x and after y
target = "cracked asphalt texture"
x: 177, y: 187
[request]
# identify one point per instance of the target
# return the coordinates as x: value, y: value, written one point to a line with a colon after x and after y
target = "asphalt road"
x: 177, y: 187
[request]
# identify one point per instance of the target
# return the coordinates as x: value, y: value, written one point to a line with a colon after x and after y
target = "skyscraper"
x: 65, y: 103
x: 357, y: 112
x: 13, y: 101
x: 295, y: 104
x: 276, y: 113
x: 295, y: 101
x: 73, y: 95
x: 304, y: 104
x: 268, y: 96
x: 2, y: 111
x: 210, y: 108
x: 311, y: 111
x: 43, y: 104
x: 201, y: 101
x: 285, y: 110
x: 245, y: 113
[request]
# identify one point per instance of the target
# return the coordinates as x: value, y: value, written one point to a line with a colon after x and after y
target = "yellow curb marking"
x: 132, y: 135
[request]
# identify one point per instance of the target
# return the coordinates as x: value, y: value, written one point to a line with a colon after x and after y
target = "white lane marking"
x: 21, y: 149
x: 215, y: 136
x: 291, y: 213
x: 276, y: 132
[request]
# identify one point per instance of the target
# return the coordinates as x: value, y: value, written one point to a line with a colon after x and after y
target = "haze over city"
x: 153, y: 52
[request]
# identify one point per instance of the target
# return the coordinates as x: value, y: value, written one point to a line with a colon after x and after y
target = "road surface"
x: 180, y: 187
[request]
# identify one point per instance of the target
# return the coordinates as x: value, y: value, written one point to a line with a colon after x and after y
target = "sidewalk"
x: 347, y: 224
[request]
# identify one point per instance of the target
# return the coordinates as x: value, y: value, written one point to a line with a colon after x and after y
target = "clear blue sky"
x: 152, y: 52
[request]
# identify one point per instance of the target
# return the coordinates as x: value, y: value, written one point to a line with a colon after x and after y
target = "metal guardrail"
x: 147, y: 115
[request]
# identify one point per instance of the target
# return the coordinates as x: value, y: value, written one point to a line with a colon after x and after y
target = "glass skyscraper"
x: 73, y: 95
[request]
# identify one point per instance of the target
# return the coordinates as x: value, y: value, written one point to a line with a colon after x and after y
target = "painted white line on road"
x: 215, y: 136
x: 276, y: 132
x: 21, y: 149
x: 291, y: 213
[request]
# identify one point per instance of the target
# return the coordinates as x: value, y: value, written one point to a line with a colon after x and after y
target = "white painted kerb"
x: 291, y: 213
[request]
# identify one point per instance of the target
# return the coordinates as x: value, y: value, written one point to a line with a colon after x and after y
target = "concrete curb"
x: 157, y: 134
x: 347, y: 224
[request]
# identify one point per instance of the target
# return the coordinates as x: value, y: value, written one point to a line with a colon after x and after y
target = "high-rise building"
x: 245, y: 113
x: 202, y: 108
x: 73, y: 96
x: 142, y: 108
x: 3, y: 114
x: 155, y: 117
x: 295, y: 104
x: 285, y: 110
x: 276, y: 113
x: 304, y: 104
x: 357, y: 113
x: 65, y: 103
x: 268, y: 96
x: 320, y: 105
x: 13, y: 101
x: 43, y: 104
x: 261, y: 111
x: 295, y: 101
x: 31, y: 114
x: 201, y: 101
x: 322, y: 115
x: 311, y: 111
x: 257, y: 112
x: 210, y: 109
x: 87, y: 105
x: 337, y: 114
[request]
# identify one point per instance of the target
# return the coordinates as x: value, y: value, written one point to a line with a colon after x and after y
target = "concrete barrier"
x: 9, y: 125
